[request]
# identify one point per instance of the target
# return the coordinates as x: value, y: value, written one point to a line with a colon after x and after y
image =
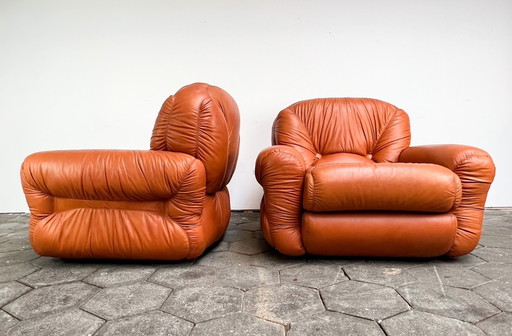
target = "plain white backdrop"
x: 93, y: 74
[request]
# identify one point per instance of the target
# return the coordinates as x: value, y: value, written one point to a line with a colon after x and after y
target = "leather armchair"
x: 168, y: 203
x: 341, y: 180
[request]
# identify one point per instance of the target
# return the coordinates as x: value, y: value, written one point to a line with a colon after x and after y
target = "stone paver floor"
x: 241, y: 286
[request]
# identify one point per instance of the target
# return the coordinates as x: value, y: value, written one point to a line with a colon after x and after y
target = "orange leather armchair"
x: 341, y: 180
x: 168, y: 203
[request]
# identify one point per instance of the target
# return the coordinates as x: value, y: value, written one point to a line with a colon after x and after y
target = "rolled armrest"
x: 107, y: 175
x: 280, y: 170
x: 476, y: 171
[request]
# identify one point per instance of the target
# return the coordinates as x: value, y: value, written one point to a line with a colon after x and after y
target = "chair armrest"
x: 280, y: 170
x: 476, y: 171
x: 109, y: 175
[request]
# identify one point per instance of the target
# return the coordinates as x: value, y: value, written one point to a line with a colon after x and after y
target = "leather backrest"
x: 203, y: 121
x: 363, y: 126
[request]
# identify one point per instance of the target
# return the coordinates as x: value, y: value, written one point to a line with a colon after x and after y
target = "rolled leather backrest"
x: 363, y: 126
x: 203, y: 121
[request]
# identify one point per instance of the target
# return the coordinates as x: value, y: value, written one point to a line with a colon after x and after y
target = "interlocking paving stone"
x: 498, y: 293
x: 17, y: 271
x: 14, y: 245
x: 425, y: 324
x: 312, y: 275
x: 364, y: 300
x: 70, y: 322
x: 282, y: 303
x: 238, y: 325
x: 50, y: 299
x: 496, y: 241
x: 223, y: 259
x: 492, y: 254
x: 494, y: 270
x: 275, y: 260
x: 381, y: 274
x: 236, y: 235
x: 58, y: 275
x: 498, y: 325
x: 199, y: 304
x: 218, y: 247
x: 448, y: 301
x: 242, y: 277
x: 10, y: 291
x: 251, y: 226
x: 117, y: 275
x: 245, y: 217
x: 114, y: 302
x: 224, y: 266
x: 17, y: 257
x: 154, y: 323
x: 450, y: 276
x: 6, y: 322
x: 249, y: 246
x: 331, y: 323
x: 468, y: 260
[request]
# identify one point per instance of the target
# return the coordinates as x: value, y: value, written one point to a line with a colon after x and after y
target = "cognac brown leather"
x: 341, y: 179
x: 168, y: 203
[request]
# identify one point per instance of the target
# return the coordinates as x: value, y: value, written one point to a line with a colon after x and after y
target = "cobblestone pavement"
x: 242, y: 287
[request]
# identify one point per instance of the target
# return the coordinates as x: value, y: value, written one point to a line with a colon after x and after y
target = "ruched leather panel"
x: 110, y: 233
x: 381, y: 186
x: 363, y: 126
x: 202, y: 121
x: 476, y: 171
x: 378, y: 234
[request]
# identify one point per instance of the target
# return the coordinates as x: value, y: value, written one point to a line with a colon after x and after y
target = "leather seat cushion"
x: 381, y: 186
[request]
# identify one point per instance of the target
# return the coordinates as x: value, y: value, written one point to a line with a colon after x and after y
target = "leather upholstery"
x: 168, y: 203
x: 341, y: 179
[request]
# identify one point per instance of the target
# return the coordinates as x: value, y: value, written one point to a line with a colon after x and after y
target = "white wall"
x: 93, y: 74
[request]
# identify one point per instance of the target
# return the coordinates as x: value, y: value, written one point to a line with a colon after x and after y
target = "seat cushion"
x: 381, y: 186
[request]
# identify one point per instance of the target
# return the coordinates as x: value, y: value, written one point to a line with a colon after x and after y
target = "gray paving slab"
x: 275, y: 260
x: 380, y: 274
x: 476, y: 288
x: 115, y: 302
x: 331, y: 323
x: 448, y: 301
x: 238, y: 325
x: 17, y: 257
x: 498, y: 293
x: 500, y: 241
x: 16, y: 271
x: 70, y: 322
x: 426, y: 324
x: 198, y: 304
x: 6, y: 322
x: 498, y: 325
x: 121, y: 274
x: 449, y: 276
x: 10, y: 291
x: 14, y: 244
x: 365, y: 300
x: 58, y: 275
x: 494, y: 271
x: 492, y: 254
x: 312, y: 275
x: 249, y: 246
x: 282, y: 303
x: 155, y: 323
x: 50, y: 299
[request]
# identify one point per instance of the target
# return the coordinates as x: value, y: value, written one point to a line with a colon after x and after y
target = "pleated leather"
x: 169, y: 203
x: 202, y: 121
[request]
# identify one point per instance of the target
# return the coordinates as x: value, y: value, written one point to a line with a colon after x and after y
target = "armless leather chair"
x: 168, y: 203
x: 341, y: 180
